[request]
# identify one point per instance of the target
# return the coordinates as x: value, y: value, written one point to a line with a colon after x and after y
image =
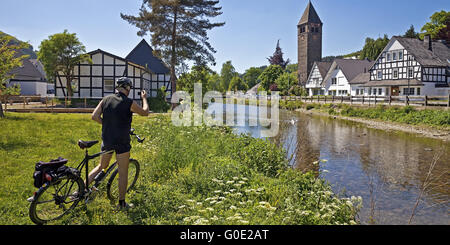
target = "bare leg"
x: 104, y: 163
x: 123, y: 161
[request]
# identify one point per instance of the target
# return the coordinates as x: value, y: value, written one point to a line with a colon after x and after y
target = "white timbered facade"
x: 98, y: 79
x: 314, y: 83
x: 410, y: 66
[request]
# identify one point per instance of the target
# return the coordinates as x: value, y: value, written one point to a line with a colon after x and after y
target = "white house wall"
x: 31, y: 87
x: 342, y: 87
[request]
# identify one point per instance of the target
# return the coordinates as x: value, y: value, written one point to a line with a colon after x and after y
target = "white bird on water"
x: 293, y: 121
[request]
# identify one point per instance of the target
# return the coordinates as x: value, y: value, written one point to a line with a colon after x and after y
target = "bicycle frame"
x: 87, y: 157
x: 85, y: 164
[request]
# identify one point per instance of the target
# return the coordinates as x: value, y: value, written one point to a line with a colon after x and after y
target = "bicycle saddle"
x: 86, y: 144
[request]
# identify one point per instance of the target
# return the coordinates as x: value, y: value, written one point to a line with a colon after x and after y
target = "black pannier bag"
x: 51, y: 168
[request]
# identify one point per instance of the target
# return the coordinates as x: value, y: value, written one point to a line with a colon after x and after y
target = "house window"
x: 394, y: 56
x: 411, y: 72
x: 380, y: 91
x: 380, y: 75
x: 400, y: 55
x: 388, y: 55
x: 333, y: 81
x: 418, y: 91
x: 395, y: 73
x: 408, y: 91
x: 109, y: 86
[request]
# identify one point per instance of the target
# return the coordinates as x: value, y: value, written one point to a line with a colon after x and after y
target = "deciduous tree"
x: 269, y: 76
x: 237, y: 84
x: 10, y: 58
x: 438, y: 27
x: 60, y: 53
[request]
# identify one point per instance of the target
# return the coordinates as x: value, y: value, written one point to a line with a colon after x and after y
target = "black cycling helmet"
x: 123, y: 82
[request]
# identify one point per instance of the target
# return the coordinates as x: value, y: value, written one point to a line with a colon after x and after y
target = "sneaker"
x: 125, y: 207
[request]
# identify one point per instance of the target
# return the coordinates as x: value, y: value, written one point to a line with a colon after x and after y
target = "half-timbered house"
x: 97, y: 79
x: 314, y: 84
x: 409, y: 66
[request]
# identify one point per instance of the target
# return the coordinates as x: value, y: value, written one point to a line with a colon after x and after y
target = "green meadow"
x: 190, y: 175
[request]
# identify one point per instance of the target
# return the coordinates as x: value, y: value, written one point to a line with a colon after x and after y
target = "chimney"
x: 427, y: 42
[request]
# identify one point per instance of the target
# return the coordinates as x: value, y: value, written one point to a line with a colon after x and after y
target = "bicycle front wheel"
x: 112, y: 188
x: 53, y: 201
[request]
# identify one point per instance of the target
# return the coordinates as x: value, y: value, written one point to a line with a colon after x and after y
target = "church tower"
x: 309, y: 42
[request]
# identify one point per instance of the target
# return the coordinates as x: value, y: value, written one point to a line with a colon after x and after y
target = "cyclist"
x: 115, y: 113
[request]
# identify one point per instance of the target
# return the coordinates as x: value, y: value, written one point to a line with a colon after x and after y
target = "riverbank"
x: 189, y: 175
x: 429, y: 123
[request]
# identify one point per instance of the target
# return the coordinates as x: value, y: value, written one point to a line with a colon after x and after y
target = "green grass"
x: 195, y: 175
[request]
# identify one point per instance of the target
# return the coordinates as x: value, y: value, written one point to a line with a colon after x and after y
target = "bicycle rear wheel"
x: 53, y: 201
x: 112, y: 188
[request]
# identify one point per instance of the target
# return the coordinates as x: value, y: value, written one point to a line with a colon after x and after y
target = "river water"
x: 387, y: 169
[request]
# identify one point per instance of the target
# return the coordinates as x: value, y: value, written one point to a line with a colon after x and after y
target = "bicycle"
x: 64, y: 188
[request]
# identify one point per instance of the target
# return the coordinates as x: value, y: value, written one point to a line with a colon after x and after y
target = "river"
x: 387, y: 169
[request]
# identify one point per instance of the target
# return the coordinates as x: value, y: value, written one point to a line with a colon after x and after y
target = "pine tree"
x: 277, y: 58
x: 178, y: 30
x: 411, y: 33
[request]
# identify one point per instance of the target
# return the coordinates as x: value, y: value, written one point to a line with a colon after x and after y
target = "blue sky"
x: 248, y: 38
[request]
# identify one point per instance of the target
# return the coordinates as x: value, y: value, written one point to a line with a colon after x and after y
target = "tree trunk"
x: 1, y: 110
x: 69, y: 91
x: 173, y: 61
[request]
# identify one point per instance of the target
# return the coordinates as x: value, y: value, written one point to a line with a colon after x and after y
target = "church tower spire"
x: 309, y: 42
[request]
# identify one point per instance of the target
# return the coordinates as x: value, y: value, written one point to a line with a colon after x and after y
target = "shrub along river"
x: 388, y: 169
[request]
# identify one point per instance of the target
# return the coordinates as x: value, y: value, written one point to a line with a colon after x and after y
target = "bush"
x: 159, y: 104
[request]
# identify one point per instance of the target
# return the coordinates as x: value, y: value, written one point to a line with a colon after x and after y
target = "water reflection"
x: 388, y: 169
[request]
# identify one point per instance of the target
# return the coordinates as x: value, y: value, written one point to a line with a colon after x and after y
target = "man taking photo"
x: 115, y: 113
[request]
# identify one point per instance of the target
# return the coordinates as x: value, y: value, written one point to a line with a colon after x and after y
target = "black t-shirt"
x: 117, y: 118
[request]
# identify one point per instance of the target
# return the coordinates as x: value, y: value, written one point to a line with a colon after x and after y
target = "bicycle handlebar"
x: 139, y: 139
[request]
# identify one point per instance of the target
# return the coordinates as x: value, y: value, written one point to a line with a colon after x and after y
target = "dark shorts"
x: 119, y: 149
